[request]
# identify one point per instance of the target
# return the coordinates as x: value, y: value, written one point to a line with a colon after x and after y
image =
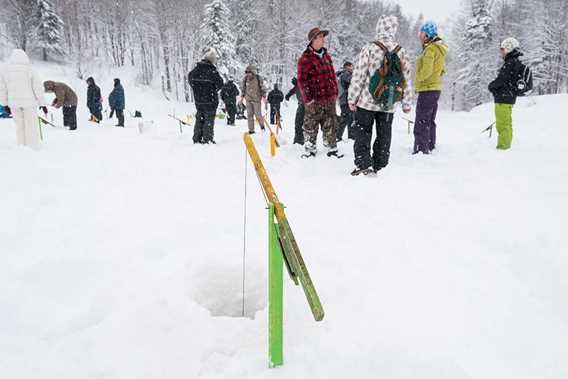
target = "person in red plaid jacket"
x: 318, y: 85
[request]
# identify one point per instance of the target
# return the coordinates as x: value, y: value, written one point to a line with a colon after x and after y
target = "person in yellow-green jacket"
x: 430, y: 67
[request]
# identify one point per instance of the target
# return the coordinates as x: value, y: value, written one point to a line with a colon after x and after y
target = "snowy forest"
x: 163, y: 39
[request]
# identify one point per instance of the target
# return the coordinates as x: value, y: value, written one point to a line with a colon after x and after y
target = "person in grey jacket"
x: 344, y: 80
x: 254, y: 92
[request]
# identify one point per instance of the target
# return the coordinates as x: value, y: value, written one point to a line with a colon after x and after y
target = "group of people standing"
x: 22, y: 92
x: 317, y: 87
x: 207, y: 84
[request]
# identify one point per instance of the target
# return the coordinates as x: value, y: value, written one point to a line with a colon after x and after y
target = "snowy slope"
x: 121, y: 250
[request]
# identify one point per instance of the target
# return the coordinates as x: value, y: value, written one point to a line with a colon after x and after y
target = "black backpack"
x: 524, y: 84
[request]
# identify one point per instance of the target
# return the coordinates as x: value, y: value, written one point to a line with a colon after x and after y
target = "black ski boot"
x: 335, y: 154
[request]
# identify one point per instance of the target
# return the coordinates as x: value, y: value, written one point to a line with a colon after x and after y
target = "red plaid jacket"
x: 316, y: 77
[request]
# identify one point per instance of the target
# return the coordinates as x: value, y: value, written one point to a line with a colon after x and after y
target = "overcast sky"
x: 436, y: 10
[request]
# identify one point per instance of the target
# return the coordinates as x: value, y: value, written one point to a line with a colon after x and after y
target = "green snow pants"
x: 504, y: 125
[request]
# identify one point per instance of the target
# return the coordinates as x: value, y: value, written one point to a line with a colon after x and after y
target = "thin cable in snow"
x: 245, y: 231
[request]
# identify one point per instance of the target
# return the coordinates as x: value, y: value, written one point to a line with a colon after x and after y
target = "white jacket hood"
x: 20, y: 85
x: 386, y: 29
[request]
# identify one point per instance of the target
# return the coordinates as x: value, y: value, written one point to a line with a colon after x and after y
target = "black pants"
x: 241, y: 108
x: 364, y: 121
x: 70, y: 117
x: 203, y: 130
x: 120, y: 116
x: 97, y: 113
x: 231, y: 109
x: 274, y: 110
x: 299, y: 124
x: 346, y: 122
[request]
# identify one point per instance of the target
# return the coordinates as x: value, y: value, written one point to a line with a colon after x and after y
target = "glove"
x: 7, y: 110
x: 287, y: 97
x: 44, y: 110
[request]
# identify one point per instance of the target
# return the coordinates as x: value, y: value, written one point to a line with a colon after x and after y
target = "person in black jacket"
x: 300, y: 112
x: 275, y: 98
x: 94, y: 100
x: 229, y: 94
x: 205, y: 82
x: 504, y: 90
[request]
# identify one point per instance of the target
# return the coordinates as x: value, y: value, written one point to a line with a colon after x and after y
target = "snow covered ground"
x: 122, y: 252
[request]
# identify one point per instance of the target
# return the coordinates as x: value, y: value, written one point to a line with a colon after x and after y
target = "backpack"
x: 524, y: 84
x: 258, y: 82
x: 387, y: 83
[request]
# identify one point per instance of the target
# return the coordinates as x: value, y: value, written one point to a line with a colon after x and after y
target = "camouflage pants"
x: 324, y: 115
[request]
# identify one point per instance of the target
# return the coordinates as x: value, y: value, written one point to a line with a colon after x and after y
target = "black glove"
x: 287, y: 97
x: 44, y: 110
x: 7, y: 110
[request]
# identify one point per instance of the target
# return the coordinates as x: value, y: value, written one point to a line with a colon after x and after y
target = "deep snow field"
x: 122, y: 253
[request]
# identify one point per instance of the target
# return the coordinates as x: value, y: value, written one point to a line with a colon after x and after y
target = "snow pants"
x: 425, y: 123
x: 231, y: 109
x: 320, y: 114
x: 70, y: 117
x: 364, y: 121
x: 274, y: 110
x: 254, y: 110
x: 203, y: 129
x: 299, y: 124
x: 504, y: 125
x: 346, y: 122
x: 27, y: 127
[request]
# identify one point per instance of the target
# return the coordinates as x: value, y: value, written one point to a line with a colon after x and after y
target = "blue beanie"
x: 430, y: 29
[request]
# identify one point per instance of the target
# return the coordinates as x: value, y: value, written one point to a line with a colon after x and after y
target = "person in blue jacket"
x: 117, y: 102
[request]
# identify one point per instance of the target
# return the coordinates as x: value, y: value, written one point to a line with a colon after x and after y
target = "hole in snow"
x: 220, y: 291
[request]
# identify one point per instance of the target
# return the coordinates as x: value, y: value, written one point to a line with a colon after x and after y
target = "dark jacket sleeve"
x: 291, y: 93
x: 345, y: 81
x: 504, y: 77
x: 218, y: 81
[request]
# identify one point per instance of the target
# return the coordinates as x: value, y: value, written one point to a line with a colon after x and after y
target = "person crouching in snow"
x: 66, y: 99
x: 504, y: 92
x: 21, y: 91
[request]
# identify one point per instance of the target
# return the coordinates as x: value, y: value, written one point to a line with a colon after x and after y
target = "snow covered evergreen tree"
x: 49, y: 30
x: 19, y: 16
x: 216, y: 32
x: 245, y: 15
x: 477, y: 54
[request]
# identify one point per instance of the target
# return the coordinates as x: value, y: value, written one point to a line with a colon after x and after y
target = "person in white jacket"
x: 22, y: 90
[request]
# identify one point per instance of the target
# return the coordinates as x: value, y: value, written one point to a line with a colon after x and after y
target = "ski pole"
x: 40, y: 131
x: 489, y: 129
x: 410, y: 122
